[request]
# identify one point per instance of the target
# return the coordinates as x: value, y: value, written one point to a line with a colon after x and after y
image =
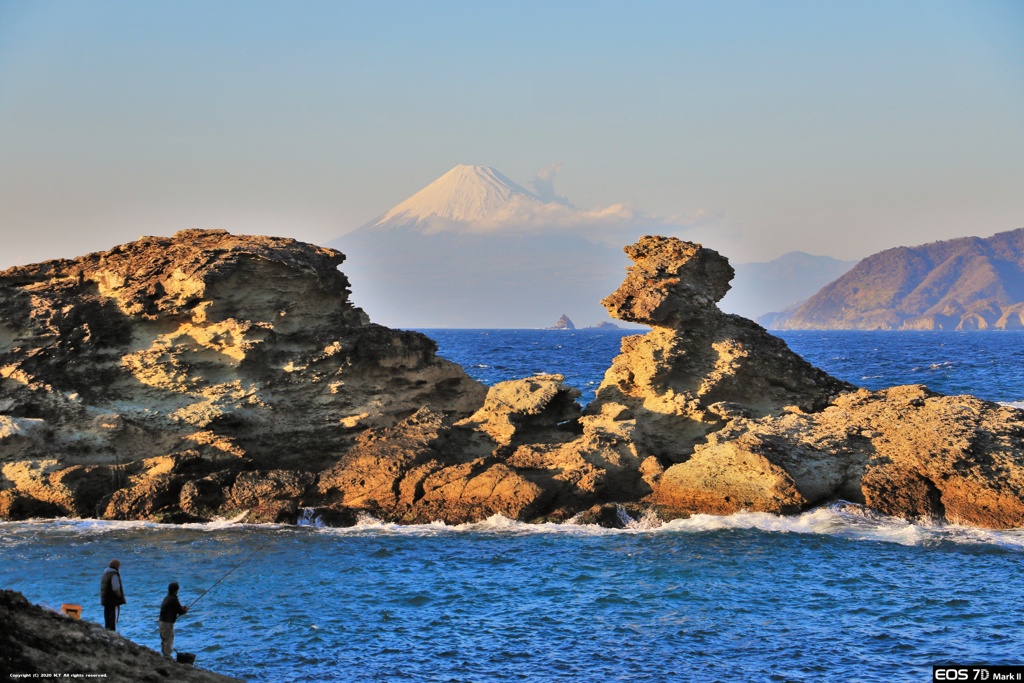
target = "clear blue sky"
x: 838, y: 128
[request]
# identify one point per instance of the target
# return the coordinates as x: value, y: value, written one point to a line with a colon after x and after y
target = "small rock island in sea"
x: 563, y: 323
x: 212, y: 375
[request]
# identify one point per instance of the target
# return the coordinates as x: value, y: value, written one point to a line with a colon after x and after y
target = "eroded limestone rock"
x: 208, y: 375
x: 242, y: 351
x: 698, y: 366
x: 739, y: 422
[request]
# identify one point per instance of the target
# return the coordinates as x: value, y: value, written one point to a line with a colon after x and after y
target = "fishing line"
x: 230, y: 571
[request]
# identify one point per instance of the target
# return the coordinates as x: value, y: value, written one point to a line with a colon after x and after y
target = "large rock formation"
x: 697, y: 367
x: 211, y: 375
x: 739, y: 422
x: 36, y: 643
x: 129, y: 374
x: 968, y: 283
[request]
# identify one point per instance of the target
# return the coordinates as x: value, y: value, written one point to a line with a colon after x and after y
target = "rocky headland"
x: 211, y: 375
x: 37, y: 643
x: 970, y: 283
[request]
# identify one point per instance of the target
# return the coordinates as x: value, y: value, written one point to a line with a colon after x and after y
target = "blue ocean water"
x: 834, y: 594
x: 986, y: 364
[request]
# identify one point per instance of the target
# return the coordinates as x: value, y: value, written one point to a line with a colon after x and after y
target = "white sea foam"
x: 843, y: 520
x: 219, y: 523
x: 854, y: 522
x: 76, y: 525
x: 1019, y: 405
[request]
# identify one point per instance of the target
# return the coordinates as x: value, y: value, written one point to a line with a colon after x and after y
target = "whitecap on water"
x: 840, y: 519
x: 76, y: 525
x: 217, y: 523
x: 855, y: 522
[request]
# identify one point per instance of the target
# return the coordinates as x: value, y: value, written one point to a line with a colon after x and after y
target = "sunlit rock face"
x: 171, y: 358
x: 904, y: 451
x: 210, y: 375
x: 726, y: 418
x: 697, y: 367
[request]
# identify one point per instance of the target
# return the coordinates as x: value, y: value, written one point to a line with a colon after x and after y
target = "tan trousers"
x: 166, y: 638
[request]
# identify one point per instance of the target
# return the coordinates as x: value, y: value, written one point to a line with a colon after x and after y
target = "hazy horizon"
x: 836, y: 130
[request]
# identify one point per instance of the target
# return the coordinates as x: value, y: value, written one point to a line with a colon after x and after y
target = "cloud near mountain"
x: 480, y: 199
x: 544, y: 184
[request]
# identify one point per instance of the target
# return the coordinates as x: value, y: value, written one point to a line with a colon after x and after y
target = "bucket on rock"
x: 186, y: 658
x: 73, y: 611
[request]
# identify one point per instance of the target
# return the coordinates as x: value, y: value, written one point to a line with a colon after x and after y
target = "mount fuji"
x: 465, y: 199
x: 475, y: 249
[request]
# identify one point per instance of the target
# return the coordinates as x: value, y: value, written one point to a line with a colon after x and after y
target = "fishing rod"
x: 230, y: 571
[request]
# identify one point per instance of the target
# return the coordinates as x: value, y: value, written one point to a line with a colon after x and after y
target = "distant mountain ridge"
x: 969, y: 283
x: 763, y: 287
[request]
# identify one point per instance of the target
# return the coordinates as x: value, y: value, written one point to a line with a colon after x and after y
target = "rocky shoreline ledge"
x: 36, y: 643
x: 212, y: 375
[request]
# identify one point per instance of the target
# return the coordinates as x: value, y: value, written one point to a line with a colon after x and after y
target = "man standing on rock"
x: 170, y: 608
x: 111, y: 594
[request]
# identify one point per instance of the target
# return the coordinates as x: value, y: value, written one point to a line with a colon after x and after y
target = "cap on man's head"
x: 172, y: 587
x: 116, y: 564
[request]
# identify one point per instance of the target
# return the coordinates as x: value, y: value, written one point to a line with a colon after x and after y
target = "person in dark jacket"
x: 111, y: 594
x: 170, y: 608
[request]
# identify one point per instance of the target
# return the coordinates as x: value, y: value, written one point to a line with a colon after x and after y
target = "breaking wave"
x: 841, y: 519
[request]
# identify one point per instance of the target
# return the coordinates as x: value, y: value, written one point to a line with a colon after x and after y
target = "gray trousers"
x: 166, y: 638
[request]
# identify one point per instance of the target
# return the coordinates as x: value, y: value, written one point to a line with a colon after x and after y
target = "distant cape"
x: 969, y: 283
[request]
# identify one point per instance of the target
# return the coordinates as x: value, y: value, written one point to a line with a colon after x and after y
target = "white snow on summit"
x: 475, y: 249
x: 480, y: 199
x: 465, y: 193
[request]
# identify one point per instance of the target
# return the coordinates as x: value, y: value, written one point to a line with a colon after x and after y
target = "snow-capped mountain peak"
x: 465, y: 193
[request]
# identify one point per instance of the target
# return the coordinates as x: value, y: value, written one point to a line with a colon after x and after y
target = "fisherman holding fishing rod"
x: 171, y: 608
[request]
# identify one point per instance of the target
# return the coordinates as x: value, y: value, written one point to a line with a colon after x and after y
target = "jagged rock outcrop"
x: 128, y: 375
x: 904, y: 451
x: 970, y: 283
x: 427, y: 469
x: 211, y: 375
x: 36, y: 641
x: 726, y: 418
x: 698, y: 367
